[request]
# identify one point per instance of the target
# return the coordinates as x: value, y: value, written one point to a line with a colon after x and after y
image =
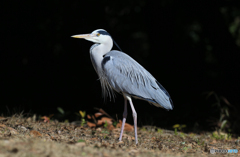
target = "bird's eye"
x: 98, y: 34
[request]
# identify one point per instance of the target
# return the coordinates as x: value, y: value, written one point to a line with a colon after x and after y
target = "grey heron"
x: 118, y: 72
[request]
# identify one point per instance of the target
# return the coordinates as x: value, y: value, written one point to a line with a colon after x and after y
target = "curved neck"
x: 102, y: 48
x: 97, y: 51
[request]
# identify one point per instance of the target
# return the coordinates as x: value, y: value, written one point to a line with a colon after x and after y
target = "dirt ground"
x: 25, y: 137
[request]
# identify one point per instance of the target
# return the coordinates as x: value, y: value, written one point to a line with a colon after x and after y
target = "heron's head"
x: 98, y: 36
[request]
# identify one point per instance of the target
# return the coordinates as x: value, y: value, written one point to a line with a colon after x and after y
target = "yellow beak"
x: 89, y: 37
x: 82, y: 36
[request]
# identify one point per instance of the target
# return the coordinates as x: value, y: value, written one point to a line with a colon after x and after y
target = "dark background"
x: 191, y: 47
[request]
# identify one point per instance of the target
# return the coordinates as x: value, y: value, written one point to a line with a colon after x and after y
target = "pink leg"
x: 134, y: 117
x: 124, y: 118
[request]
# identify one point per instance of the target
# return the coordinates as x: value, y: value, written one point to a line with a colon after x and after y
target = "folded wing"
x: 125, y: 75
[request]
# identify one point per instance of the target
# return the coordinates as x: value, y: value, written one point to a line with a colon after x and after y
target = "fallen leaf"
x: 12, y: 131
x: 91, y: 125
x: 104, y: 120
x: 110, y: 127
x: 103, y: 112
x: 46, y: 119
x: 98, y: 114
x: 120, y: 143
x: 127, y: 127
x: 89, y: 117
x: 35, y: 133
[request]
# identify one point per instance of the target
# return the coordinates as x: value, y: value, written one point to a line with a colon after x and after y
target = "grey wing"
x: 125, y: 75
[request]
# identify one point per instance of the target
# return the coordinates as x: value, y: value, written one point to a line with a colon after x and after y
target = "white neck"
x: 97, y: 52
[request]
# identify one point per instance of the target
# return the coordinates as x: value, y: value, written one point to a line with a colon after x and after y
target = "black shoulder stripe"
x: 105, y: 60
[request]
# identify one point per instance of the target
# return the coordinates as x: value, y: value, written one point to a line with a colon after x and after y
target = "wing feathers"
x: 125, y: 75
